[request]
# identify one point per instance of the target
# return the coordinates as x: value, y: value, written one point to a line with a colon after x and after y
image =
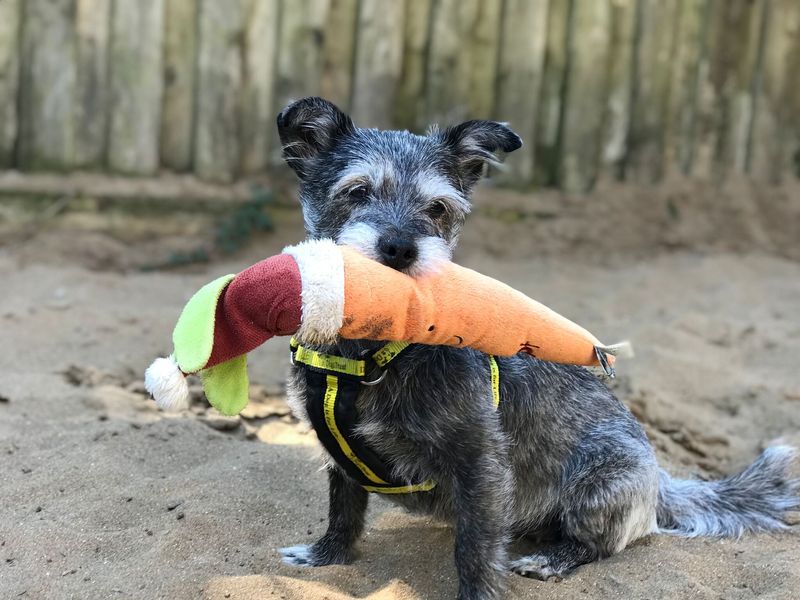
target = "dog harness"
x: 332, y: 386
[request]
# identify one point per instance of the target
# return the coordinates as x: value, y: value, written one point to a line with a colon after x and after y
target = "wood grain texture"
x: 48, y: 77
x: 626, y: 89
x: 379, y: 60
x: 725, y: 87
x: 616, y: 130
x: 409, y: 110
x: 338, y: 53
x: 92, y: 35
x: 219, y: 84
x: 462, y: 60
x: 553, y: 91
x: 519, y: 79
x: 654, y: 48
x: 137, y: 84
x: 301, y: 48
x: 775, y: 151
x: 10, y: 15
x: 257, y: 117
x: 689, y: 63
x: 177, y: 111
x: 586, y: 93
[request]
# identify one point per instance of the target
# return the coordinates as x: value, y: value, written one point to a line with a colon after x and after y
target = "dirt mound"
x: 629, y: 220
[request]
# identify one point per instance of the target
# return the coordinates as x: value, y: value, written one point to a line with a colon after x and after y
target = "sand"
x: 101, y: 496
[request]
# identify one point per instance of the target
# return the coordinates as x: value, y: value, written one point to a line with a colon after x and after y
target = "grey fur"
x: 752, y: 501
x: 562, y: 457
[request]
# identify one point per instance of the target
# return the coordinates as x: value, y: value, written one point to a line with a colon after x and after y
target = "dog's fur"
x: 561, y: 457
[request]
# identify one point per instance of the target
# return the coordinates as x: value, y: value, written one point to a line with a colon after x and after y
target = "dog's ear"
x: 308, y: 127
x: 478, y: 143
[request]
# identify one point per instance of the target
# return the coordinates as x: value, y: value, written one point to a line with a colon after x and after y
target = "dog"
x: 562, y: 458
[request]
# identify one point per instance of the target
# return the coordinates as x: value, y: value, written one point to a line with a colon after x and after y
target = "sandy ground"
x: 101, y: 496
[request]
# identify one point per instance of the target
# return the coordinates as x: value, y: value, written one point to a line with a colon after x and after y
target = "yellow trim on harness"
x: 405, y: 489
x: 329, y: 362
x: 349, y: 366
x: 330, y: 401
x: 495, y: 371
x: 388, y: 352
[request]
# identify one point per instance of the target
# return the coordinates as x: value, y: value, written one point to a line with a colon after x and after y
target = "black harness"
x: 332, y: 387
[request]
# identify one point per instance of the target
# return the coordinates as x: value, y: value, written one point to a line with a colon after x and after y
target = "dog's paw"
x: 323, y: 553
x: 298, y: 556
x: 535, y: 566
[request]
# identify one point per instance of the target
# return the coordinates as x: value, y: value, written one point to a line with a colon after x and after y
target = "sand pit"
x: 101, y: 496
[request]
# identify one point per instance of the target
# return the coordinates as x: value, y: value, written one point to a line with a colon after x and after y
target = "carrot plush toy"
x: 318, y: 291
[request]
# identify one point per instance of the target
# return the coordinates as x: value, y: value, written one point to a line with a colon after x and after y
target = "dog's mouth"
x: 412, y: 255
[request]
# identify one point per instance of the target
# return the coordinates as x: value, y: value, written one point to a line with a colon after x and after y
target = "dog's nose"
x: 397, y: 252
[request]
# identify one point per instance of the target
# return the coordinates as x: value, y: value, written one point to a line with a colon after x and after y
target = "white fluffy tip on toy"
x: 167, y: 384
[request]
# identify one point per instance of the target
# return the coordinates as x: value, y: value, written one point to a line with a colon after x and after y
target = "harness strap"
x: 332, y: 387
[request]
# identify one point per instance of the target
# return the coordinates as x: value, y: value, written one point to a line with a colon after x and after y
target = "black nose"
x: 397, y: 252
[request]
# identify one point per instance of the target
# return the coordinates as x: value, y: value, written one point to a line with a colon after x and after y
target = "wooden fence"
x: 630, y: 89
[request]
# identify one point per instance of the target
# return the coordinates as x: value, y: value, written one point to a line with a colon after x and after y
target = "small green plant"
x: 231, y: 233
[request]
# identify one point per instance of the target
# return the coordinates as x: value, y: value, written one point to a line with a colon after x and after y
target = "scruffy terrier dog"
x: 561, y: 459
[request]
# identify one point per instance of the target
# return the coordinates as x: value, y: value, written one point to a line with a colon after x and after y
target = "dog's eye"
x: 359, y: 194
x: 437, y: 209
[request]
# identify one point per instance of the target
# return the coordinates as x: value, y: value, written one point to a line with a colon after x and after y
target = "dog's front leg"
x: 347, y: 505
x: 481, y: 492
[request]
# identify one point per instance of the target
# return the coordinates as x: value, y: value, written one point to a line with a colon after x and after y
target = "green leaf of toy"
x: 226, y: 385
x: 193, y: 337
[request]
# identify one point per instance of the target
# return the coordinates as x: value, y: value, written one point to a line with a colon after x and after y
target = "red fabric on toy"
x: 261, y: 301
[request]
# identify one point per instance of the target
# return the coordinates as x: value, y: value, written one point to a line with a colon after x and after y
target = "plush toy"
x: 319, y: 291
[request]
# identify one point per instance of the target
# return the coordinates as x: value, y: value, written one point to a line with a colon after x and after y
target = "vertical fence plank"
x: 462, y: 64
x: 776, y: 132
x: 550, y: 113
x: 177, y: 110
x: 587, y: 87
x: 689, y: 63
x: 10, y: 14
x: 737, y: 150
x: 92, y: 19
x: 300, y: 54
x: 219, y: 82
x: 137, y: 84
x: 410, y: 105
x: 724, y: 84
x: 656, y: 23
x: 379, y: 58
x: 257, y: 119
x: 47, y: 85
x: 519, y: 78
x: 620, y: 82
x: 339, y: 52
x: 445, y: 95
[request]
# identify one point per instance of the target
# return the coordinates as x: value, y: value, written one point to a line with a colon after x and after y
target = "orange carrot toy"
x: 319, y: 292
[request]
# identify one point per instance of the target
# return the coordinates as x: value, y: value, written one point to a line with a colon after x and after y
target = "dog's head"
x: 397, y: 197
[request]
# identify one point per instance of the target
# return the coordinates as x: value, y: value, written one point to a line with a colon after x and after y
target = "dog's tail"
x: 760, y: 498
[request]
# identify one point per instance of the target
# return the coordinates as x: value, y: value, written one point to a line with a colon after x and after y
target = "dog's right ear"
x: 308, y: 127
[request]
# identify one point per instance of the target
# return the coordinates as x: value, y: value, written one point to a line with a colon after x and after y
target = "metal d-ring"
x: 377, y: 381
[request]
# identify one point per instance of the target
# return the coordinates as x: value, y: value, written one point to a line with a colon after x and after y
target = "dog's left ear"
x: 308, y: 127
x: 478, y: 143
